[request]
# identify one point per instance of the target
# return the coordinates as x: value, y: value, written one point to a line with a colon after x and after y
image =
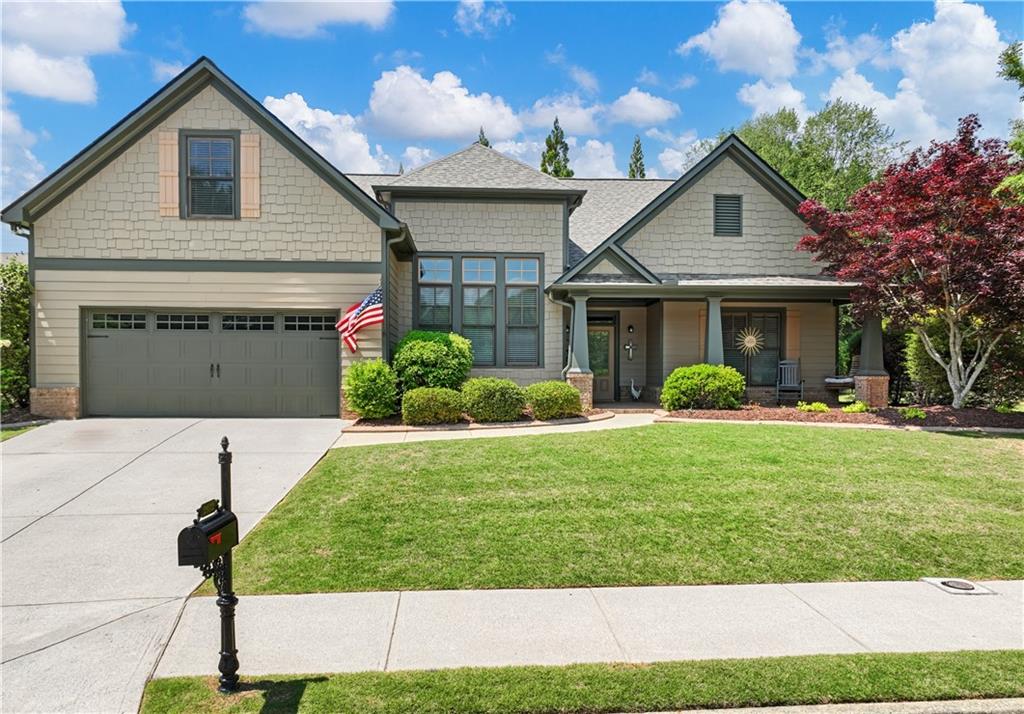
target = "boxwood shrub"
x: 371, y: 389
x: 703, y: 386
x: 431, y: 405
x: 491, y: 399
x: 553, y: 400
x: 432, y: 359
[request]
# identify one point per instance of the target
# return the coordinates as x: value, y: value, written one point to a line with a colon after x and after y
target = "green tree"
x: 636, y: 160
x: 1011, y: 67
x: 482, y: 139
x: 15, y: 310
x: 555, y: 159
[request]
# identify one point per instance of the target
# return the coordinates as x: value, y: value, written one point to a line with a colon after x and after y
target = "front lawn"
x: 595, y: 688
x: 11, y: 433
x: 668, y: 503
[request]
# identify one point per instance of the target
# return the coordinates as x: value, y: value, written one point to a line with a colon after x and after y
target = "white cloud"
x: 309, y: 19
x: 753, y: 36
x: 399, y: 56
x: 336, y: 136
x: 675, y: 158
x: 573, y: 115
x: 21, y: 169
x: 685, y: 82
x: 843, y: 53
x: 648, y: 77
x: 594, y: 159
x: 585, y: 79
x: 405, y: 103
x: 46, y: 46
x: 166, y: 71
x: 528, y: 150
x: 905, y: 112
x: 415, y: 156
x: 641, y: 108
x: 475, y: 17
x: 765, y: 98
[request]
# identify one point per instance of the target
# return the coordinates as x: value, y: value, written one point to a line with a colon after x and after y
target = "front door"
x: 602, y: 361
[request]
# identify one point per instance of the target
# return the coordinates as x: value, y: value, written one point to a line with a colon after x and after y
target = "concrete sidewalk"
x: 350, y: 632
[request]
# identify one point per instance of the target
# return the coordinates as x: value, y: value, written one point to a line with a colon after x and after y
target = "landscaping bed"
x: 605, y: 688
x: 395, y: 423
x: 934, y: 416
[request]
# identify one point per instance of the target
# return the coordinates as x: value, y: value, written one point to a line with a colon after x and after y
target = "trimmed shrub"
x: 492, y: 399
x: 15, y: 300
x: 431, y: 405
x: 703, y: 386
x: 812, y: 406
x: 912, y: 413
x: 553, y: 400
x: 857, y: 407
x: 432, y: 359
x: 371, y: 389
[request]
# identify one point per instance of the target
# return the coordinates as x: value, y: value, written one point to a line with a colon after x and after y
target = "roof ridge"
x: 438, y: 160
x: 477, y: 146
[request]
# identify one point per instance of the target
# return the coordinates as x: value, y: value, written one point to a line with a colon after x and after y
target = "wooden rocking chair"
x: 788, y: 383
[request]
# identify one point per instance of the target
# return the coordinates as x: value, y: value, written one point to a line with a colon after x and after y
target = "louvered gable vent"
x: 728, y: 215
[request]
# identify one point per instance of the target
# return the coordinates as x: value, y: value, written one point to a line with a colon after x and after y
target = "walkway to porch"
x: 628, y: 407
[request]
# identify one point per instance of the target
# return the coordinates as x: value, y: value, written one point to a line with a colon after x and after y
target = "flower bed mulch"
x: 935, y: 416
x: 17, y: 415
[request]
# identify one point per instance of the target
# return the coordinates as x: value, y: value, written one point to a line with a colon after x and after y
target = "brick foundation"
x: 872, y: 389
x: 584, y: 383
x: 766, y: 396
x: 55, y: 402
x: 343, y: 410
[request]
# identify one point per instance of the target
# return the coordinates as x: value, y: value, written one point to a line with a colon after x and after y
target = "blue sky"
x: 372, y: 85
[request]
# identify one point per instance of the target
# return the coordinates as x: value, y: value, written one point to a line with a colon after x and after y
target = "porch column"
x: 714, y: 351
x: 871, y: 383
x: 579, y: 374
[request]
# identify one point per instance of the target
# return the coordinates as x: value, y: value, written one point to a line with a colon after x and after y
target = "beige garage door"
x: 188, y: 363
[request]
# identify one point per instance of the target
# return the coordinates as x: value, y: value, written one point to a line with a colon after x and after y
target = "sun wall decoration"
x: 749, y: 341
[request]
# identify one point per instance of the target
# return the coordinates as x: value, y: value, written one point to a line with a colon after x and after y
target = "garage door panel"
x: 167, y: 371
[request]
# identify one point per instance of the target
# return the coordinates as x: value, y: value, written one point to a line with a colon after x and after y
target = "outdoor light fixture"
x: 631, y: 329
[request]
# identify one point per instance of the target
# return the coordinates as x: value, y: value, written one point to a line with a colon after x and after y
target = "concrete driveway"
x: 91, y: 512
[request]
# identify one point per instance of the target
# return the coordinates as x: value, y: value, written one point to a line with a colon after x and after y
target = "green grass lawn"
x: 11, y: 433
x: 668, y: 503
x: 611, y: 688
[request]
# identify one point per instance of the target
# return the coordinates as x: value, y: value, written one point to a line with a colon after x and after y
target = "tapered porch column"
x: 871, y: 383
x: 714, y: 351
x: 579, y: 374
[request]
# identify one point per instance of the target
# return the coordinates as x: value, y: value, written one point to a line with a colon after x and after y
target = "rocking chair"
x: 788, y: 382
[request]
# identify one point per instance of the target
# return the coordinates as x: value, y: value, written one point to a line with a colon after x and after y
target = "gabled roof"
x: 731, y: 147
x: 196, y: 77
x: 480, y: 169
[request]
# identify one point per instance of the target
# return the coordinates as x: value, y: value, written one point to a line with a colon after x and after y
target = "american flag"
x: 363, y: 314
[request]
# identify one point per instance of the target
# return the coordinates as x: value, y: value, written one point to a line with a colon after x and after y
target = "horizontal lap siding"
x: 60, y: 295
x: 681, y: 335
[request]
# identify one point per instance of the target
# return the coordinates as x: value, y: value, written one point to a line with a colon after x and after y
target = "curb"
x: 965, y: 706
x: 402, y: 429
x: 842, y: 425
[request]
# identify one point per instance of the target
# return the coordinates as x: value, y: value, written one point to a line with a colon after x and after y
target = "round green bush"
x: 703, y: 386
x: 432, y: 359
x: 491, y: 399
x: 431, y: 405
x: 371, y: 389
x: 553, y: 400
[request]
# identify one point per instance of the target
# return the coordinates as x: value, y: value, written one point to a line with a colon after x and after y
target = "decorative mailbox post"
x: 207, y: 544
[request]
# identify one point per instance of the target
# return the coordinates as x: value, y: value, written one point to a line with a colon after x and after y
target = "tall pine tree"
x: 482, y: 139
x: 555, y: 159
x: 636, y: 160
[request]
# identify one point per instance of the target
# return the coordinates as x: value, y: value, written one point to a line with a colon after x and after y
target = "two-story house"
x: 194, y: 259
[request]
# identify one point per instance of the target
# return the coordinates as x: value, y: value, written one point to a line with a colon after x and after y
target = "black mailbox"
x: 208, y: 538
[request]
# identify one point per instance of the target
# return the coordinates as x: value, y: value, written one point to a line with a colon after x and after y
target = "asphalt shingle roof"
x: 608, y: 204
x: 367, y: 181
x: 479, y: 167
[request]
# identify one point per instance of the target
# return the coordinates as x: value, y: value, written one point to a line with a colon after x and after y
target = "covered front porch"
x: 622, y: 341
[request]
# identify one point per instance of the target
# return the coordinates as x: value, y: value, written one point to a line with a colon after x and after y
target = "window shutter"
x: 250, y: 175
x: 168, y: 173
x: 728, y: 215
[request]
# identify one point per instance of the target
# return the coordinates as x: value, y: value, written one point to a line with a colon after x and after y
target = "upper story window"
x: 728, y: 215
x: 211, y: 176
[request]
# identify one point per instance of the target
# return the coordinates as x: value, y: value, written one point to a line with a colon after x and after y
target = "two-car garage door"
x: 191, y: 363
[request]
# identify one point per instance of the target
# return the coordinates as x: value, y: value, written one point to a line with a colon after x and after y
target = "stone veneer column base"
x: 55, y: 402
x: 584, y: 383
x: 872, y: 389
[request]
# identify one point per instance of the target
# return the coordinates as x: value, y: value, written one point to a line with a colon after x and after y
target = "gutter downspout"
x: 572, y: 313
x: 388, y: 242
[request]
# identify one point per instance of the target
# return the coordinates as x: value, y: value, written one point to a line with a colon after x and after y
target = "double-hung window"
x: 479, y: 311
x: 210, y: 176
x: 435, y: 294
x: 522, y: 311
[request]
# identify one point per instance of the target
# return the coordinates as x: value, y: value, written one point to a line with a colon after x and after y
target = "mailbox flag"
x: 363, y: 314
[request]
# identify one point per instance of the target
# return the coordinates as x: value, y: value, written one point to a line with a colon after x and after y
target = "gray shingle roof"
x: 608, y: 204
x: 758, y: 281
x: 479, y: 167
x: 367, y: 181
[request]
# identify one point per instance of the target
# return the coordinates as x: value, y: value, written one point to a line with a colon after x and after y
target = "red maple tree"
x: 929, y: 239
